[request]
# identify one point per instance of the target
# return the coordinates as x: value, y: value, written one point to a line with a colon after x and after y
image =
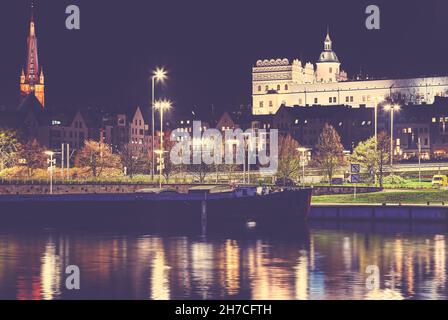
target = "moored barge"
x: 202, y: 204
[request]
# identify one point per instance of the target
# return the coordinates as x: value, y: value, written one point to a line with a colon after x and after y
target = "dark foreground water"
x: 317, y: 263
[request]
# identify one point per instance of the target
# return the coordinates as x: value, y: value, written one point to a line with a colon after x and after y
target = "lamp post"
x: 392, y: 109
x: 162, y: 106
x: 232, y: 143
x: 51, y: 162
x: 419, y: 161
x: 303, y: 150
x: 158, y: 75
x: 377, y: 102
x: 249, y: 143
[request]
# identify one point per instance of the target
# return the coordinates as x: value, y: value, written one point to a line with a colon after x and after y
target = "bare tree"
x: 33, y: 155
x: 97, y: 156
x: 329, y: 151
x: 8, y: 148
x: 289, y: 159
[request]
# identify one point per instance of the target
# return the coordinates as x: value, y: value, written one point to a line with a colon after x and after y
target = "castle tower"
x: 30, y: 80
x: 328, y: 65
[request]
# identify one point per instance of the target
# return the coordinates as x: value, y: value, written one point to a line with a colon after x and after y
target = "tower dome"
x: 328, y: 65
x: 328, y: 55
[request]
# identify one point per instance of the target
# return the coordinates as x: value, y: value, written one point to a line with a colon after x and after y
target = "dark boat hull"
x: 125, y: 210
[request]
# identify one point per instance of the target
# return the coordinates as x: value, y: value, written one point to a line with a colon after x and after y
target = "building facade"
x: 280, y: 82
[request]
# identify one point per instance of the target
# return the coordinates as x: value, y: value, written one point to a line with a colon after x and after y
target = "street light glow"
x: 163, y: 105
x: 389, y: 107
x: 160, y: 74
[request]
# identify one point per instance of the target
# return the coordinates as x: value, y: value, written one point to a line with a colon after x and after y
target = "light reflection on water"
x: 325, y: 264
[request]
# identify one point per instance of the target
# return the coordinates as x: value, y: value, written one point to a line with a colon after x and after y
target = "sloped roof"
x: 30, y: 103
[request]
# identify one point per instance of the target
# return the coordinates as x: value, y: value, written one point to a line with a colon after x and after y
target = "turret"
x: 328, y: 65
x: 42, y: 77
x: 22, y: 77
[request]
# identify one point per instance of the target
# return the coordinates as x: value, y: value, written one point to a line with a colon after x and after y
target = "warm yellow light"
x: 394, y: 107
x: 49, y: 153
x: 163, y: 105
x: 302, y: 149
x: 160, y: 74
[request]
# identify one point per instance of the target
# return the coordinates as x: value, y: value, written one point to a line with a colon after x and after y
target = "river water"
x: 315, y: 262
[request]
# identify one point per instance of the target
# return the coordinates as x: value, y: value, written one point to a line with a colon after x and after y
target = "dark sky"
x: 208, y: 46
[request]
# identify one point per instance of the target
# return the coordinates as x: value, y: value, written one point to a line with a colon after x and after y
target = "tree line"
x: 97, y: 157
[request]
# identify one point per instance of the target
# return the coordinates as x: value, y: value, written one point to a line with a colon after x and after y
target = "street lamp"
x: 392, y: 109
x: 250, y: 147
x: 419, y: 161
x: 236, y: 142
x: 158, y: 75
x: 303, y: 150
x: 51, y: 162
x: 161, y: 106
x: 377, y: 102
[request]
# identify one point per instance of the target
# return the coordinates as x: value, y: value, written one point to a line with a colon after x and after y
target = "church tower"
x: 32, y: 78
x: 328, y: 65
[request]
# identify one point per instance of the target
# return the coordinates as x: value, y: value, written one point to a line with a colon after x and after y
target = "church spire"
x: 30, y: 80
x: 32, y: 67
x: 32, y: 29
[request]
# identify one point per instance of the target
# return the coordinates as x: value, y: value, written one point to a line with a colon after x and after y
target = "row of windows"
x: 348, y: 99
x: 415, y: 130
x: 286, y: 88
x: 271, y: 104
x: 138, y: 131
x: 441, y: 119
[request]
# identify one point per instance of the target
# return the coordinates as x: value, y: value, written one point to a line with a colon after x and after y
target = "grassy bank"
x: 388, y: 196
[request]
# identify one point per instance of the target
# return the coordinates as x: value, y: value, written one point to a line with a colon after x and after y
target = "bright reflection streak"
x: 302, y: 277
x: 50, y: 272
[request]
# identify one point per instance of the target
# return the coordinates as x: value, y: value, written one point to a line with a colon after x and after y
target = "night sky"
x: 208, y: 46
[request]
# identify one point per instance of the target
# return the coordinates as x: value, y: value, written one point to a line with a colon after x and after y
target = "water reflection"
x: 326, y: 264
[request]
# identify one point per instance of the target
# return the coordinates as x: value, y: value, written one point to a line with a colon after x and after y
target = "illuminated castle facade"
x: 279, y: 82
x: 32, y: 79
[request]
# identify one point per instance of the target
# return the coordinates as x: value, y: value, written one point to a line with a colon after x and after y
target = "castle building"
x: 32, y: 80
x: 279, y: 82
